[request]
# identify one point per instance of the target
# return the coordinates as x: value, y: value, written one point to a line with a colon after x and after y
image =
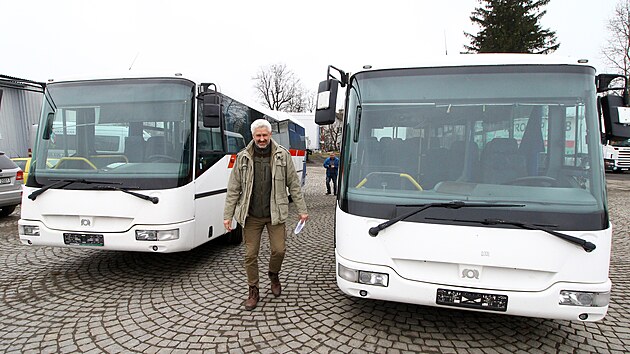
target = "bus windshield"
x: 502, y: 134
x: 135, y: 133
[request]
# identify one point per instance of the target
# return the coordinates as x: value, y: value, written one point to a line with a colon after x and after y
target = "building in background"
x: 20, y: 106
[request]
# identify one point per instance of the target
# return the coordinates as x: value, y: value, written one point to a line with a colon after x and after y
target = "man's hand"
x: 303, y: 217
x: 227, y: 224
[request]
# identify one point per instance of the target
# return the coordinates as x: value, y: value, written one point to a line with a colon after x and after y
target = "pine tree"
x: 511, y: 26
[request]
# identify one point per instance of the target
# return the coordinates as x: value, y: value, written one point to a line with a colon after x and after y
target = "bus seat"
x: 371, y: 156
x: 157, y: 145
x: 433, y: 167
x: 387, y: 153
x: 134, y: 148
x: 410, y: 155
x: 463, y: 161
x: 501, y: 161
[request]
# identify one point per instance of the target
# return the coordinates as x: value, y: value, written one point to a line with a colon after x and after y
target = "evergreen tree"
x: 511, y: 26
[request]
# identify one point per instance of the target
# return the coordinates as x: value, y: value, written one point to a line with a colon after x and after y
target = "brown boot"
x: 253, y: 298
x: 276, y: 288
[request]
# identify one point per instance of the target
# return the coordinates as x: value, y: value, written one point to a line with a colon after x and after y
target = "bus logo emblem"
x: 85, y: 222
x: 470, y: 273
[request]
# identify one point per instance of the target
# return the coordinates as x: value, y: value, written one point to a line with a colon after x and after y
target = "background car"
x: 11, y: 181
x: 24, y: 163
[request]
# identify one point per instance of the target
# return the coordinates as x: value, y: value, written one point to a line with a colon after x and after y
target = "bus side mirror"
x: 212, y: 112
x: 616, y: 117
x: 326, y: 102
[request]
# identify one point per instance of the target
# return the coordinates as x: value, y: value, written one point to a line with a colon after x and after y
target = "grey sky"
x: 227, y: 41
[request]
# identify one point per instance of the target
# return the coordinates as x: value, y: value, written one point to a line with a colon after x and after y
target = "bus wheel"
x: 235, y: 236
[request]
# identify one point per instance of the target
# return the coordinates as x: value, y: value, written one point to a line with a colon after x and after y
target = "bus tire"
x: 234, y: 237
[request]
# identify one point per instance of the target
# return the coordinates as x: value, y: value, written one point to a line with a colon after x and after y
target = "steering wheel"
x: 534, y: 181
x: 158, y: 158
x: 391, y: 174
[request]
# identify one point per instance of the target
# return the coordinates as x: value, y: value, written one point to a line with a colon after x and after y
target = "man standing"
x: 257, y: 198
x: 332, y: 166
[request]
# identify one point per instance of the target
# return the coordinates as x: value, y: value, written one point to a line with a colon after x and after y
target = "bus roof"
x: 479, y: 60
x: 277, y: 115
x: 119, y: 75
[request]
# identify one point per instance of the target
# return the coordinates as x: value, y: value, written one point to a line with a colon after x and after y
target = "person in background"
x: 332, y: 167
x: 257, y: 198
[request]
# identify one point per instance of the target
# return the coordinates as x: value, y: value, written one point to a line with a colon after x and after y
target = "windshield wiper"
x: 450, y: 205
x: 587, y: 246
x: 62, y: 183
x: 153, y: 200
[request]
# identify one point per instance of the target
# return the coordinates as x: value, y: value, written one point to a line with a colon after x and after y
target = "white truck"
x: 617, y: 156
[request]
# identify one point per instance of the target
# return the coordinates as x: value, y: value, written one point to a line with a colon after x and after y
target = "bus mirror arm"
x: 343, y: 76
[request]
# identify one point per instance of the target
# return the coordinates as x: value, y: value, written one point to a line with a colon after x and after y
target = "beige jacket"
x: 283, y: 176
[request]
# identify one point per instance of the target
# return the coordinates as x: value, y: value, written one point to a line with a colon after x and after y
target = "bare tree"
x: 617, y: 49
x: 331, y: 134
x: 280, y: 90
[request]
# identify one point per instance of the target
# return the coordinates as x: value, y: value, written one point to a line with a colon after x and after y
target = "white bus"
x: 473, y: 182
x: 140, y: 164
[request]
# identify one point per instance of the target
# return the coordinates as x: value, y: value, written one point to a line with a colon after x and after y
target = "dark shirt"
x: 332, y: 166
x: 260, y: 203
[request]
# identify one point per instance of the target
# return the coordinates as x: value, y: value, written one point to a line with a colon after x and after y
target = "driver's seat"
x: 157, y: 145
x: 501, y: 161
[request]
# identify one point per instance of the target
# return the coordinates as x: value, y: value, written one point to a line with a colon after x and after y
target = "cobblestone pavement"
x: 58, y: 300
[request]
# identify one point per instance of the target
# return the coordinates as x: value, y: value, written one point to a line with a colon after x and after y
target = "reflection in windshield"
x: 135, y: 132
x: 623, y: 143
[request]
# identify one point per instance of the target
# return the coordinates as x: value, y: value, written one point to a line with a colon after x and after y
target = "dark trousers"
x: 252, y: 233
x: 334, y: 182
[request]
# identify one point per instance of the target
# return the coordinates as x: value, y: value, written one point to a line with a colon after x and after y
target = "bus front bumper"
x: 541, y: 304
x: 155, y: 238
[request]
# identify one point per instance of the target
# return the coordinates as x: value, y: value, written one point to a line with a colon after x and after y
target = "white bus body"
x: 474, y: 182
x: 135, y: 166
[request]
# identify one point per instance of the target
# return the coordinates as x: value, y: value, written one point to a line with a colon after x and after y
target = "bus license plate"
x: 83, y: 239
x: 5, y: 180
x: 481, y: 301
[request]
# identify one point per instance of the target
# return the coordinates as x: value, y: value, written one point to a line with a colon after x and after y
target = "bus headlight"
x: 157, y: 235
x: 363, y: 277
x: 371, y: 278
x: 29, y: 230
x: 583, y: 298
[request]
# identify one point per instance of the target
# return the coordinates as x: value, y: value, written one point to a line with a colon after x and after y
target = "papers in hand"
x: 299, y: 227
